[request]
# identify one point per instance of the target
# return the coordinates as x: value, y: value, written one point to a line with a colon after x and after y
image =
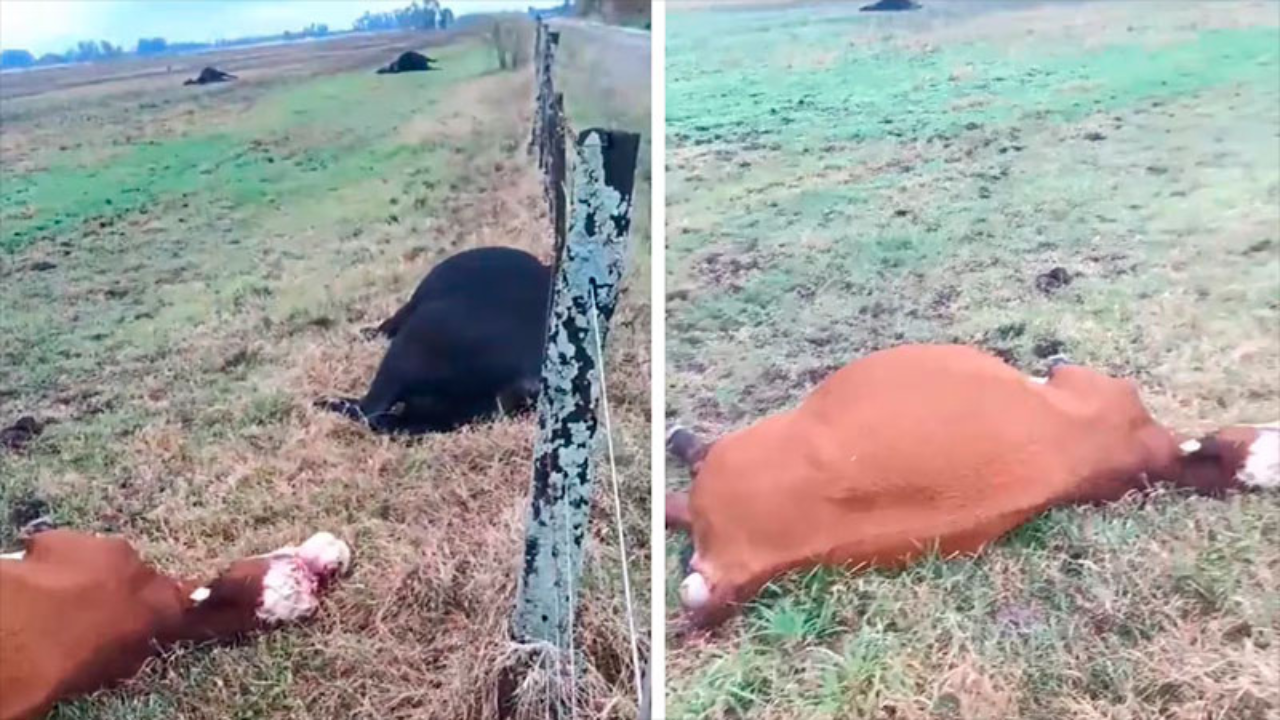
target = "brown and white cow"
x: 80, y: 612
x: 925, y: 447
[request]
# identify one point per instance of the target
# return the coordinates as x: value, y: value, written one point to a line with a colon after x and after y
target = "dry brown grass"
x: 210, y: 450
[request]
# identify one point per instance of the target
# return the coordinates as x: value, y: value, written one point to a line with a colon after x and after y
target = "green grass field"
x: 185, y: 269
x: 841, y: 182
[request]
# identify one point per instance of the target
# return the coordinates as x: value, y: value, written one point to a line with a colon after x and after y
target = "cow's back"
x: 904, y: 448
x: 479, y: 321
x: 70, y: 623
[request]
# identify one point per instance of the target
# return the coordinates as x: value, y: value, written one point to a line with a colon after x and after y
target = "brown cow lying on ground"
x: 923, y: 447
x: 80, y: 612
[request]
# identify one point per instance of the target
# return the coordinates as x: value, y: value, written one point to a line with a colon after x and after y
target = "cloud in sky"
x: 54, y: 25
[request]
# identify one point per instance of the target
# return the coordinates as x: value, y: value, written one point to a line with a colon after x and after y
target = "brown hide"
x: 81, y: 612
x: 907, y: 450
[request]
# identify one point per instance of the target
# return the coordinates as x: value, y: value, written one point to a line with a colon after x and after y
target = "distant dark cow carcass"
x: 210, y: 75
x: 408, y: 62
x: 925, y: 448
x: 890, y: 5
x: 467, y: 345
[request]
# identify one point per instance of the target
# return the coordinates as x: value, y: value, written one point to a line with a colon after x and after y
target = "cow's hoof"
x: 1057, y: 361
x: 371, y: 333
x: 44, y: 523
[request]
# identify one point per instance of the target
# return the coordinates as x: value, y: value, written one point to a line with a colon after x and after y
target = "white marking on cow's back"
x: 14, y: 555
x: 694, y: 592
x: 201, y: 594
x: 1037, y: 380
x: 1189, y: 447
x: 1262, y: 465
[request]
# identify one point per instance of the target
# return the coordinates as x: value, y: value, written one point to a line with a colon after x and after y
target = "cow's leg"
x: 677, y: 511
x: 519, y: 396
x: 44, y: 523
x: 350, y: 408
x: 390, y: 327
x: 376, y: 408
x: 28, y: 531
x: 686, y: 447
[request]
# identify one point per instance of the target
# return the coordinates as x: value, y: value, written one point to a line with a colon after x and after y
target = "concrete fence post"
x: 586, y: 281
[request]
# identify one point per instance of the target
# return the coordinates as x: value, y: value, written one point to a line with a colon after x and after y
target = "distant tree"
x: 446, y: 18
x: 414, y: 16
x: 51, y: 59
x: 152, y: 46
x: 513, y: 41
x: 84, y: 51
x: 588, y: 8
x: 16, y: 59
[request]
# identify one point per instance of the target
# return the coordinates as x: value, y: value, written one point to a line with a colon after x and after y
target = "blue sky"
x: 54, y: 25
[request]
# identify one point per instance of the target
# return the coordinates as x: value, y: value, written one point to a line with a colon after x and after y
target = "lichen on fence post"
x: 586, y: 281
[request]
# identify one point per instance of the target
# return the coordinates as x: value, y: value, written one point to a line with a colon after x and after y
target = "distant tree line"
x: 426, y: 16
x: 624, y: 12
x: 84, y: 51
x: 416, y: 16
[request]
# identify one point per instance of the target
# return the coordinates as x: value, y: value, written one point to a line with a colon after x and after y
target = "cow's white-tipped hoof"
x: 1262, y: 464
x: 325, y: 554
x: 694, y: 591
x: 1190, y: 446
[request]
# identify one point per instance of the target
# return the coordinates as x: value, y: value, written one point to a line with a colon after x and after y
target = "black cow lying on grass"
x: 890, y: 5
x: 210, y: 75
x: 467, y: 345
x: 408, y: 62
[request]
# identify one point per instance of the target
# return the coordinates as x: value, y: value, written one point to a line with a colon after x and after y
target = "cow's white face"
x: 289, y: 589
x: 293, y: 578
x: 1262, y: 464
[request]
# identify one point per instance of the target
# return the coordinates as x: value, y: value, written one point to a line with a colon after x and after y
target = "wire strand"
x: 617, y: 498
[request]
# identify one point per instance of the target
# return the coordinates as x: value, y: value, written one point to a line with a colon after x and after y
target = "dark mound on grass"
x: 210, y: 75
x: 891, y: 6
x: 408, y: 62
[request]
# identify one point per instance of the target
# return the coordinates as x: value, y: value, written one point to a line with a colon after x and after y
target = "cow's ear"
x: 686, y: 447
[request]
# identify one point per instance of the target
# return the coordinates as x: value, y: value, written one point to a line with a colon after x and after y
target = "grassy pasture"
x: 841, y: 182
x: 183, y: 269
